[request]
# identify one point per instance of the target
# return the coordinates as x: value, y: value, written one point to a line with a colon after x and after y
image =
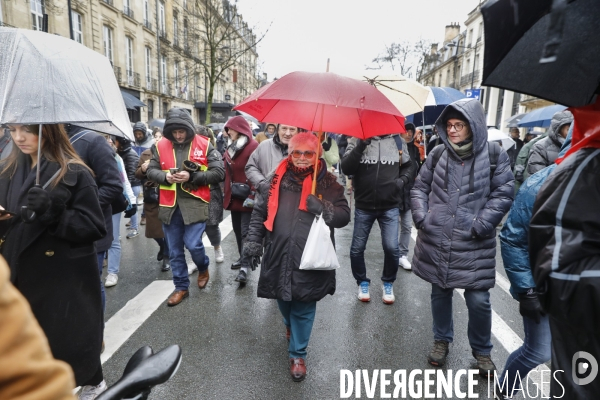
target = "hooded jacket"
x: 263, y: 161
x: 379, y: 175
x: 514, y: 242
x: 545, y: 152
x: 147, y: 141
x: 131, y: 160
x: 192, y: 209
x: 262, y: 136
x: 456, y: 244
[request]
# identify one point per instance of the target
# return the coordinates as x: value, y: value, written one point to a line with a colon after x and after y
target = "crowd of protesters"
x: 451, y: 184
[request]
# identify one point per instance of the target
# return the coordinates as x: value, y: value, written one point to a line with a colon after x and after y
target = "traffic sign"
x: 473, y: 94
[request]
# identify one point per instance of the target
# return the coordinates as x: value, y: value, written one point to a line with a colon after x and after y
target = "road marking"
x: 137, y: 310
x: 504, y: 333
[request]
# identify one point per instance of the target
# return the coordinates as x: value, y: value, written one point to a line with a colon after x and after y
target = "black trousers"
x: 241, y: 223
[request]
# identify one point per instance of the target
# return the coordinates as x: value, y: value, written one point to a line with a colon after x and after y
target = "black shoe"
x: 160, y: 256
x: 237, y: 264
x: 166, y: 266
x: 241, y: 278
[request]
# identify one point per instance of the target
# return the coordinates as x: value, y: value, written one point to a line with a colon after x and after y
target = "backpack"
x: 493, y: 152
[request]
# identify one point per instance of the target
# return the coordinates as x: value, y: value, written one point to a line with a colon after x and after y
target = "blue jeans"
x: 134, y: 218
x: 388, y: 223
x: 114, y: 253
x: 100, y: 262
x: 536, y: 350
x: 299, y: 317
x: 480, y: 317
x: 178, y: 234
x: 405, y: 228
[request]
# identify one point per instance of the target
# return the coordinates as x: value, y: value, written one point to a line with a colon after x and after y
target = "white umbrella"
x: 407, y: 95
x: 48, y: 79
x: 497, y: 135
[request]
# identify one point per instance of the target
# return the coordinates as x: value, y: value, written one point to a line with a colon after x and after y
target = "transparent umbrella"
x: 48, y: 79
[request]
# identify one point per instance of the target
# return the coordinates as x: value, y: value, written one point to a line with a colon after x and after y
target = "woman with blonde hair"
x: 48, y: 240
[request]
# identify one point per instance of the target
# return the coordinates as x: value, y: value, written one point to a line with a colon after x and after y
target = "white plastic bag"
x: 319, y: 253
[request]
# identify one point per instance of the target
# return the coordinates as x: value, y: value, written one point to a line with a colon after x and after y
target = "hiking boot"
x: 363, y: 291
x: 437, y: 356
x: 485, y: 364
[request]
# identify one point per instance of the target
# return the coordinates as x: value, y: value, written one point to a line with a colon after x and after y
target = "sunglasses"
x: 308, y: 154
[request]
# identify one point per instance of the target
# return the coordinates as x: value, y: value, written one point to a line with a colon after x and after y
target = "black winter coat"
x: 54, y: 265
x: 131, y: 161
x: 456, y: 242
x: 97, y: 154
x: 280, y: 276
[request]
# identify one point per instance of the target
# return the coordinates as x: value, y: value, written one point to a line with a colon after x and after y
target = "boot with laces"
x: 437, y: 356
x: 485, y: 364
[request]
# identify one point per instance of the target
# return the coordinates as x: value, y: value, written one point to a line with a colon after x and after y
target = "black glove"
x: 254, y: 262
x: 400, y: 184
x: 327, y: 144
x: 530, y: 307
x: 252, y: 249
x: 362, y: 144
x: 131, y: 211
x: 314, y: 205
x: 38, y: 200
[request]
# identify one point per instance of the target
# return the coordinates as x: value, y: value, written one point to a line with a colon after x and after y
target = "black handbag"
x: 120, y: 204
x: 240, y: 190
x: 150, y: 193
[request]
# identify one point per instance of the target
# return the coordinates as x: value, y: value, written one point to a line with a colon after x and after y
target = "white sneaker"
x: 388, y: 293
x: 111, y: 280
x: 363, y: 291
x: 404, y: 263
x: 192, y: 268
x: 219, y: 257
x: 91, y: 392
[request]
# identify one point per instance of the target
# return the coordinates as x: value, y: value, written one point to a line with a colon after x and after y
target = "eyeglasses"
x: 457, y: 126
x: 308, y: 154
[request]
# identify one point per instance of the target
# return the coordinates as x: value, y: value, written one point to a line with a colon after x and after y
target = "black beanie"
x: 454, y: 114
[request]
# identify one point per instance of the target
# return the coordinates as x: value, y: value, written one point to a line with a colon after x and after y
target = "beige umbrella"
x: 408, y: 95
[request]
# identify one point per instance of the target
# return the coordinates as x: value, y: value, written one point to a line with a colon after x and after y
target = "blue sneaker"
x: 388, y: 293
x: 363, y: 291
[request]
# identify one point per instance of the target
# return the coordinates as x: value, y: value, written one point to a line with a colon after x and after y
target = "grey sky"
x: 351, y: 33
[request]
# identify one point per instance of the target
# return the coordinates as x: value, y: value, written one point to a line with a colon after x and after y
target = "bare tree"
x: 421, y: 52
x: 224, y: 41
x: 397, y: 56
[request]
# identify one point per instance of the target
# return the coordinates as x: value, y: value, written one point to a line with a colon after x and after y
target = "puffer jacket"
x: 514, y: 241
x: 263, y: 161
x: 280, y: 276
x: 456, y: 244
x: 520, y: 168
x: 545, y: 152
x: 131, y: 160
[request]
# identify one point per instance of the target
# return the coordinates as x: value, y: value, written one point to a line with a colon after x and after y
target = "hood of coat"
x: 140, y: 126
x: 240, y: 125
x: 559, y: 120
x: 179, y: 118
x: 474, y: 114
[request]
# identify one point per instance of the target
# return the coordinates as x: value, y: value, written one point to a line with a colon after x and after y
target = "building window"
x: 185, y: 34
x: 161, y: 18
x: 129, y: 59
x: 148, y: 67
x: 185, y: 82
x: 108, y: 49
x: 163, y: 72
x: 480, y: 31
x: 471, y: 38
x: 77, y: 28
x: 37, y: 14
x: 175, y: 31
x: 165, y: 109
x: 176, y: 71
x: 150, y: 109
x: 146, y: 13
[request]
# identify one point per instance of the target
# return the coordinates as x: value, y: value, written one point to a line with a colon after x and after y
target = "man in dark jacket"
x: 184, y: 166
x: 379, y: 175
x: 545, y: 152
x: 456, y: 206
x: 97, y: 154
x: 143, y: 138
x: 131, y: 161
x: 513, y: 152
x: 404, y: 206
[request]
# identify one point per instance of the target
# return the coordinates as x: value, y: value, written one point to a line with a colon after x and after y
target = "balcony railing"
x: 469, y: 78
x: 162, y: 34
x: 129, y: 77
x: 136, y: 80
x: 147, y: 24
x: 109, y: 2
x: 127, y: 11
x: 176, y: 41
x: 167, y: 89
x: 117, y: 73
x: 152, y: 85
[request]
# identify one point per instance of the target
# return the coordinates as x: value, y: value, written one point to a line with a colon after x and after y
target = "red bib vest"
x: 166, y: 155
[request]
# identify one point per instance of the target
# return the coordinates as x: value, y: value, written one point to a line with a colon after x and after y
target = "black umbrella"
x: 545, y: 48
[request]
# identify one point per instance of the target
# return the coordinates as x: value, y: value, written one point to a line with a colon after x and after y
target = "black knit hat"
x: 455, y: 114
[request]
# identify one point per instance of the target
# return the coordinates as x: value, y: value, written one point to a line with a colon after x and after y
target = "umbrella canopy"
x: 407, y: 95
x: 517, y: 39
x: 497, y: 135
x: 540, y: 117
x: 513, y: 121
x: 48, y: 79
x: 131, y: 102
x: 157, y: 123
x: 325, y: 102
x: 437, y: 99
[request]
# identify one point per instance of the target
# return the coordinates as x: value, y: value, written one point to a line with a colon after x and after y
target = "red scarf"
x: 273, y: 203
x: 586, y: 128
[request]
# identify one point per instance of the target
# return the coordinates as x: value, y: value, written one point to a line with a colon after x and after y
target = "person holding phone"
x: 51, y: 254
x: 184, y: 165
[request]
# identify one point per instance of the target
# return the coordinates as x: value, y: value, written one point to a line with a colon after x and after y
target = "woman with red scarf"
x: 284, y: 220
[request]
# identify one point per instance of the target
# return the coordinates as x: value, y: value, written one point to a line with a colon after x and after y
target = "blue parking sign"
x: 473, y: 94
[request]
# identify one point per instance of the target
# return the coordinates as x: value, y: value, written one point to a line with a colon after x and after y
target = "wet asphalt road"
x: 234, y: 343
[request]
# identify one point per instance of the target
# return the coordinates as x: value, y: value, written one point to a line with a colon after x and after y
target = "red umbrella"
x: 325, y: 102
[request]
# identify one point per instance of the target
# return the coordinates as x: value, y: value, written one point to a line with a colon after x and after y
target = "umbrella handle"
x: 27, y: 216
